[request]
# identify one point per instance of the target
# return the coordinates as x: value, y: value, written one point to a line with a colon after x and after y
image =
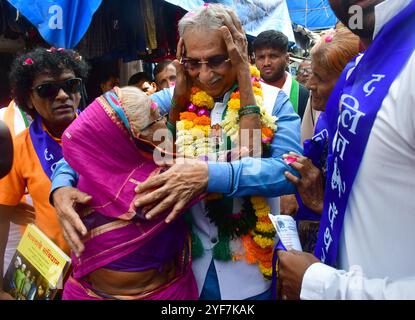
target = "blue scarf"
x: 48, y: 150
x: 359, y: 99
x: 314, y: 149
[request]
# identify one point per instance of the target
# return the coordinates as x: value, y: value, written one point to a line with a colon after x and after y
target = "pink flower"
x: 203, y: 112
x: 154, y: 105
x: 328, y: 39
x: 206, y: 4
x: 191, y: 108
x: 28, y: 62
x: 289, y: 160
x: 53, y: 49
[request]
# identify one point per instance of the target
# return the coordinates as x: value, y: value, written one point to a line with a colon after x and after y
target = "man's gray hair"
x: 207, y: 17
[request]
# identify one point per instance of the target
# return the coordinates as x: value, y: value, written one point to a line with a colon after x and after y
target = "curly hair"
x: 26, y: 67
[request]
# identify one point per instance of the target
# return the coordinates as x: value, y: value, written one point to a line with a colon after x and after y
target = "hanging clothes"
x: 150, y: 25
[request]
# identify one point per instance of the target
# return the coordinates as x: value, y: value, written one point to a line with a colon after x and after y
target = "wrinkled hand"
x: 183, y: 85
x: 235, y: 40
x: 237, y: 47
x: 311, y: 185
x: 23, y: 214
x: 288, y: 205
x: 5, y: 296
x: 291, y: 269
x: 172, y: 189
x: 65, y: 200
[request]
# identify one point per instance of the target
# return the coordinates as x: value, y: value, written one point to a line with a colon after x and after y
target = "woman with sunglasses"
x: 125, y: 256
x: 210, y: 36
x: 46, y: 83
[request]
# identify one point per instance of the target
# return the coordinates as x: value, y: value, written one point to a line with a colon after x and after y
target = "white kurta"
x: 287, y: 84
x: 237, y: 279
x: 378, y: 235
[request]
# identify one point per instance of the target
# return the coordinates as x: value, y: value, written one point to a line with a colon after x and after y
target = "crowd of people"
x: 162, y: 189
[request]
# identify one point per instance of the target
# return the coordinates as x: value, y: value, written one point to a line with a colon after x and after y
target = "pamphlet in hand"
x: 287, y: 231
x: 37, y: 269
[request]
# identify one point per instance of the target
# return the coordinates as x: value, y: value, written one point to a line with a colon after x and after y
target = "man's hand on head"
x: 235, y: 40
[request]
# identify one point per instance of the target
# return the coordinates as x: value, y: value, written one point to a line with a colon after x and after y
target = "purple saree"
x: 98, y: 146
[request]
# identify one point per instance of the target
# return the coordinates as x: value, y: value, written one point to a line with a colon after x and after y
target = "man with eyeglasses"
x: 365, y: 241
x: 212, y: 55
x: 304, y: 72
x: 46, y: 83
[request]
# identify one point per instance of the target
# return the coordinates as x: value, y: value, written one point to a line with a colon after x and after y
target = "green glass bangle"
x: 171, y: 126
x: 246, y: 112
x: 248, y: 108
x: 173, y: 103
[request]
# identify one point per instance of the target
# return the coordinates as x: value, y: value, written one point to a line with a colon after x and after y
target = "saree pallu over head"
x: 110, y: 166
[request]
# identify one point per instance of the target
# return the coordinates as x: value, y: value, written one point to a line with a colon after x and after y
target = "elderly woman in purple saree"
x: 125, y: 256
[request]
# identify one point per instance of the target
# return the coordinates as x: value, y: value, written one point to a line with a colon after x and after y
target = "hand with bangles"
x: 212, y: 52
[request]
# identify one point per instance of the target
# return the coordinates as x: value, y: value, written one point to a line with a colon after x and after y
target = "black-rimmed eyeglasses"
x: 214, y: 62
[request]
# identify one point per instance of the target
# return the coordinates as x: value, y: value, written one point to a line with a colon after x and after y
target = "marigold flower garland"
x: 230, y: 123
x: 250, y: 234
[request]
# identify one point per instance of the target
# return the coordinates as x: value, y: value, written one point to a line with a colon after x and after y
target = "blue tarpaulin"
x: 256, y: 15
x: 62, y: 23
x: 312, y: 14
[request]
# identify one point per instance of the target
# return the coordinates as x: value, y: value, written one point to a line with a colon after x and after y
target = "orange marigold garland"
x: 250, y: 234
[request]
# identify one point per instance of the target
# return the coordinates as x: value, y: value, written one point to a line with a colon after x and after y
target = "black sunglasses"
x: 214, y: 62
x: 51, y: 89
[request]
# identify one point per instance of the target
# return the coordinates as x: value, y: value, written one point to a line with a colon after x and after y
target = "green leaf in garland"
x: 197, y: 246
x: 222, y: 250
x: 232, y: 225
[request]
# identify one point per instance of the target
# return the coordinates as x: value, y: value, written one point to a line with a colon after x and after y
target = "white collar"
x: 287, y: 84
x: 385, y: 11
